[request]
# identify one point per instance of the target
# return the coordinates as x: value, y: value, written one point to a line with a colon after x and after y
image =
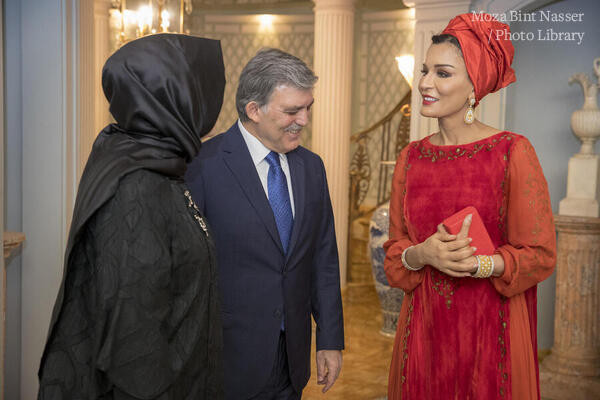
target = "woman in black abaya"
x: 137, y: 314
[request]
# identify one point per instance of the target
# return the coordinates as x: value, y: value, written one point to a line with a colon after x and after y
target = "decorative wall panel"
x: 241, y: 37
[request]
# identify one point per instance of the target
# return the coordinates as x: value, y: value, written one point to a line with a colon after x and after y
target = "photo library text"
x: 548, y: 34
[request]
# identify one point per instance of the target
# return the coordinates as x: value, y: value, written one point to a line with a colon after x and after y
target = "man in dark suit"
x: 267, y: 201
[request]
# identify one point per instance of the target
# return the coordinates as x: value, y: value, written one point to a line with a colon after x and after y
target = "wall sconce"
x: 406, y: 65
x: 151, y: 16
x: 266, y: 22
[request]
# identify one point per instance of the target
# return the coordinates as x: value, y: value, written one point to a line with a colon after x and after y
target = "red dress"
x: 467, y: 338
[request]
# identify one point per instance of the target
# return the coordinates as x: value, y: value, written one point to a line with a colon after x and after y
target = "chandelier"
x: 131, y: 19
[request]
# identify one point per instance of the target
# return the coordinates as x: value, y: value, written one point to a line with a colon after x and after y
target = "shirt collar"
x: 258, y: 151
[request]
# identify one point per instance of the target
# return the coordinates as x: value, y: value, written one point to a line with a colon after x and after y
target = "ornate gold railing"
x: 361, y: 164
x: 374, y: 155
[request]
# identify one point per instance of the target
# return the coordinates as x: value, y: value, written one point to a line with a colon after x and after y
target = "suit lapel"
x: 298, y: 187
x: 238, y: 160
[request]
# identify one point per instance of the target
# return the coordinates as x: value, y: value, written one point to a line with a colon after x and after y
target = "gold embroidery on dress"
x: 404, y: 179
x: 459, y: 152
x: 405, y: 339
x: 444, y: 286
x: 538, y: 204
x: 502, y: 347
x: 536, y: 190
x: 504, y: 202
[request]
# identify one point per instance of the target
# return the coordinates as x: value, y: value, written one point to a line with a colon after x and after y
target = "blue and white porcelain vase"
x: 390, y: 298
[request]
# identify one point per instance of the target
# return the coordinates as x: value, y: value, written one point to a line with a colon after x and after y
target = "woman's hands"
x: 450, y: 254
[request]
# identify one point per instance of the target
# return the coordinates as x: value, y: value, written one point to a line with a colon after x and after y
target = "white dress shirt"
x: 258, y: 152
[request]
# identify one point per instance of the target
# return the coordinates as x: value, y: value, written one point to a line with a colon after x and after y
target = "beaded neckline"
x: 452, y: 152
x: 427, y: 141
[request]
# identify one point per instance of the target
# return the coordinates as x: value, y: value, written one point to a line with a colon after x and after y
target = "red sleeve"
x: 397, y: 275
x: 530, y: 253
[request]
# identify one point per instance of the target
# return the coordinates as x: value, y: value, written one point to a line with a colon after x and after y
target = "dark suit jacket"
x: 257, y: 281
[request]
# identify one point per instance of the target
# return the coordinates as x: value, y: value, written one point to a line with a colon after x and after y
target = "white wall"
x: 40, y: 78
x: 540, y: 104
x: 3, y: 275
x: 12, y: 193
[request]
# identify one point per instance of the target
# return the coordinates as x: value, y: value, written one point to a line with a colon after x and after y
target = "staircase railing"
x: 374, y: 155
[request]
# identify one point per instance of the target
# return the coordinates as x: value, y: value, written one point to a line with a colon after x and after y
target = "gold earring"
x: 470, y: 115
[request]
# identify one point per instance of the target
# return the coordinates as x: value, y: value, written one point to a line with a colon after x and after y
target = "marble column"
x: 572, y: 370
x: 334, y: 38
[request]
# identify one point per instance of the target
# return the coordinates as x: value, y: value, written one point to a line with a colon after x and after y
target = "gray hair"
x: 267, y: 70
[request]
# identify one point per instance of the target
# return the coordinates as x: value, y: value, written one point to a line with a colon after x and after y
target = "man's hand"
x: 329, y: 365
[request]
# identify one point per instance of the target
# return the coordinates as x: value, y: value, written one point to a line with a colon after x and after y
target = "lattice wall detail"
x: 239, y: 43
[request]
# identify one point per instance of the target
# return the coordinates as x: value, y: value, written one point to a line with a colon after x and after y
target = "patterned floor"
x: 367, y: 355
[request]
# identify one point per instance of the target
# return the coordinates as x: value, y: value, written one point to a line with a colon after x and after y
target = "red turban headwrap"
x: 486, y: 49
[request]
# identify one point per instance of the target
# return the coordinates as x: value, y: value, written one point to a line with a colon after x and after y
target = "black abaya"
x: 137, y: 315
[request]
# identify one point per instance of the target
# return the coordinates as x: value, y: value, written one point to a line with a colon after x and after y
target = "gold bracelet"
x: 485, y: 267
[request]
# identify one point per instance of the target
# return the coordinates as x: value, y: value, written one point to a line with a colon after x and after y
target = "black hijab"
x: 165, y: 92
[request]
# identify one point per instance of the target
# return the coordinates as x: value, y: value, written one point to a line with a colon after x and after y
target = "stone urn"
x: 390, y: 298
x: 583, y: 179
x: 586, y: 121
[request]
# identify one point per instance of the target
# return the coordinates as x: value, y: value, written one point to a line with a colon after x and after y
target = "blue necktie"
x: 279, y: 197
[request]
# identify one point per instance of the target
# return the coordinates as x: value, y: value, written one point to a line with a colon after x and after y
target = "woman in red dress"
x: 467, y: 331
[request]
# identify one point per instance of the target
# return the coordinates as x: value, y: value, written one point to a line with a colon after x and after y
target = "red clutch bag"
x: 477, y: 231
